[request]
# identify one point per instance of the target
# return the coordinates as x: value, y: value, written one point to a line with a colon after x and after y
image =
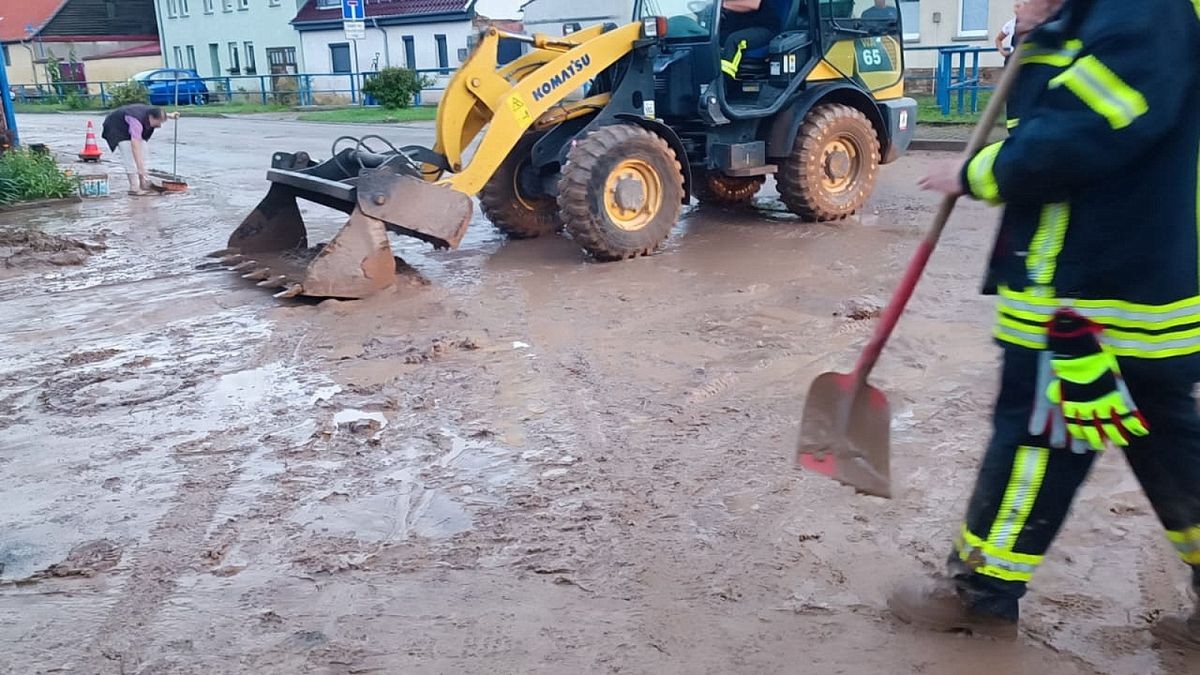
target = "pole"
x: 10, y: 117
x: 354, y: 77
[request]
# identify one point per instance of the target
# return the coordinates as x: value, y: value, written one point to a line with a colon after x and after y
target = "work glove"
x: 1047, y: 419
x: 1087, y: 384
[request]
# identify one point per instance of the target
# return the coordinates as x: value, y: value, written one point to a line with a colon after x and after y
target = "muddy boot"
x: 1181, y: 631
x: 939, y: 606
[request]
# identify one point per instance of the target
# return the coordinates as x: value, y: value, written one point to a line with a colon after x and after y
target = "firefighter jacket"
x: 1100, y: 177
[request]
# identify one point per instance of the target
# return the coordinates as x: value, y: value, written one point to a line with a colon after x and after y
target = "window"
x: 328, y: 4
x: 227, y: 5
x: 339, y: 57
x: 248, y: 47
x: 235, y: 63
x: 191, y: 57
x: 243, y: 4
x: 272, y: 3
x: 184, y: 10
x: 282, y: 59
x: 110, y: 9
x: 4, y: 49
x: 172, y: 8
x: 973, y: 18
x: 214, y: 57
x: 443, y: 55
x: 410, y: 52
x: 910, y: 16
x: 208, y: 6
x: 178, y: 57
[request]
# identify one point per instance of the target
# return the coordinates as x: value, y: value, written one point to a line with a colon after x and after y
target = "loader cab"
x: 820, y: 40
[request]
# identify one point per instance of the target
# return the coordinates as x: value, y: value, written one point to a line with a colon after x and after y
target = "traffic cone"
x: 91, y: 151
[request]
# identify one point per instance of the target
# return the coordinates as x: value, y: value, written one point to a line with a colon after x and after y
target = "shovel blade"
x: 844, y: 433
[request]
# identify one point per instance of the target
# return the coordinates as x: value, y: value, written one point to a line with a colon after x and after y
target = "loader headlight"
x: 654, y: 26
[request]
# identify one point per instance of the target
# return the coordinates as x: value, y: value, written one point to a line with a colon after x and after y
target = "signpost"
x: 354, y: 19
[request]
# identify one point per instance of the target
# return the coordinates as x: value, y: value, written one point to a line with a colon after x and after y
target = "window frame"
x: 172, y: 9
x: 210, y: 6
x: 191, y: 57
x: 443, y: 51
x: 177, y: 52
x: 410, y: 49
x: 226, y: 5
x: 349, y: 59
x: 243, y: 5
x: 248, y: 55
x: 962, y: 32
x: 235, y: 61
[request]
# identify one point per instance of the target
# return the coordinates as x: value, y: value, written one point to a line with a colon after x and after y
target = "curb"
x: 938, y: 145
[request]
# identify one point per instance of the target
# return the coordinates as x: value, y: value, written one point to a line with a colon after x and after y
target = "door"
x: 285, y: 85
x: 214, y: 55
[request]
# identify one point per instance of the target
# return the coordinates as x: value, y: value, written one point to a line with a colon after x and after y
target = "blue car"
x: 171, y: 86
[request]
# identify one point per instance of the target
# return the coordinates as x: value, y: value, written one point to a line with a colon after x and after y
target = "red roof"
x: 380, y: 9
x: 16, y: 16
x: 148, y: 49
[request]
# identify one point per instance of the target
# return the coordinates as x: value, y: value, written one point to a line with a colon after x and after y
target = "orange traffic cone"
x: 91, y: 151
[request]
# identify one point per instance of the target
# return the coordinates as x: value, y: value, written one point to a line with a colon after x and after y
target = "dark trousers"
x: 1024, y: 489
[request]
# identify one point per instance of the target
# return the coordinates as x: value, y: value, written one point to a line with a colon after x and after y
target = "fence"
x: 957, y: 76
x: 300, y: 89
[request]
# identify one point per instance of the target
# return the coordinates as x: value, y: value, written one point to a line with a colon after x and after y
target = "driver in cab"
x: 746, y: 25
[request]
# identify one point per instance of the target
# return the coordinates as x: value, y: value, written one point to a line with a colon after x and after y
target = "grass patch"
x: 364, y: 115
x: 28, y: 176
x: 930, y: 113
x: 218, y: 109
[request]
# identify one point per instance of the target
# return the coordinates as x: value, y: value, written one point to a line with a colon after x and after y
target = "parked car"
x: 168, y: 86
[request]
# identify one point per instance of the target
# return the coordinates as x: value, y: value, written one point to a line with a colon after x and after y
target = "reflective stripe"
x: 980, y: 178
x: 1022, y: 319
x: 1187, y: 542
x: 1053, y: 57
x: 1014, y: 123
x: 1029, y: 468
x: 1197, y: 4
x: 1048, y: 243
x: 984, y: 558
x: 731, y: 66
x: 1103, y: 91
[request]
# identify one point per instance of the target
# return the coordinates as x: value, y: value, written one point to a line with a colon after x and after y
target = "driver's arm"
x: 741, y: 6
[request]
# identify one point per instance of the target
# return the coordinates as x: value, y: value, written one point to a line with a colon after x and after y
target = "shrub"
x: 26, y: 176
x: 75, y: 100
x: 128, y: 92
x: 395, y: 87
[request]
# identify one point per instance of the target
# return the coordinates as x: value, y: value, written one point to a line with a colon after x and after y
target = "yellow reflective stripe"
x: 1197, y: 4
x: 1053, y: 57
x: 984, y: 558
x: 981, y: 179
x: 1029, y: 468
x: 1014, y: 123
x: 1048, y: 243
x: 1019, y: 339
x: 1186, y: 542
x: 1106, y: 312
x: 1103, y: 91
x: 731, y: 66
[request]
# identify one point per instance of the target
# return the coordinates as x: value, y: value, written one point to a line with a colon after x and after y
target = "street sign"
x: 353, y: 10
x: 355, y: 30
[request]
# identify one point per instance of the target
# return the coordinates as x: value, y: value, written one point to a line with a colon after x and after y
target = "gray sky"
x: 499, y: 9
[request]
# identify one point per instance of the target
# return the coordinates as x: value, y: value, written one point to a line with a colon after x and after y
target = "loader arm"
x: 510, y: 100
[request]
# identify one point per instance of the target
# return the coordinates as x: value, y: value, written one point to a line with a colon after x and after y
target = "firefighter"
x: 1097, y: 269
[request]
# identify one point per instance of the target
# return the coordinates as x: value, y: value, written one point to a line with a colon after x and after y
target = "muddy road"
x: 522, y: 462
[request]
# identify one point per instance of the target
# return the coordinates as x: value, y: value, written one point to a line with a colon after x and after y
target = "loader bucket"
x: 271, y: 244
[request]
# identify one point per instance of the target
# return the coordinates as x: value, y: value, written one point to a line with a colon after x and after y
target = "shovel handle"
x: 916, y: 267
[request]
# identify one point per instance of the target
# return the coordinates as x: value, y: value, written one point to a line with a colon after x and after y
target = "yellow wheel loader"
x: 606, y: 132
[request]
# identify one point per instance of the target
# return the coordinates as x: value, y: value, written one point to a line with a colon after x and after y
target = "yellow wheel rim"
x: 841, y: 164
x: 632, y: 194
x: 516, y: 190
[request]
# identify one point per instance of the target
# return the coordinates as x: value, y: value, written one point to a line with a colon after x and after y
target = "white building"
x: 424, y: 35
x: 230, y: 38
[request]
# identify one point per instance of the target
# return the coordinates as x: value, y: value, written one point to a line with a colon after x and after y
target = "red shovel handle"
x: 916, y: 267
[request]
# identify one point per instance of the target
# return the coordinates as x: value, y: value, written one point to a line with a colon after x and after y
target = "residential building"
x: 242, y: 40
x: 429, y: 35
x: 75, y: 32
x: 931, y: 23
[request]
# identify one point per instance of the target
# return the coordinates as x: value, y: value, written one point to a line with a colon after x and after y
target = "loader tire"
x: 718, y: 189
x: 833, y: 165
x: 621, y: 192
x: 514, y: 214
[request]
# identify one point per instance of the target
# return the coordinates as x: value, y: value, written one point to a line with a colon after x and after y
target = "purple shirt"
x: 135, y: 127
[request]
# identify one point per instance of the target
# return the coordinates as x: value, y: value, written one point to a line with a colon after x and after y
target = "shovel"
x: 845, y: 427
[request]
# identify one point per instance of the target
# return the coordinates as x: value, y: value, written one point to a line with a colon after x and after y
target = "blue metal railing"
x: 956, y: 79
x: 300, y: 89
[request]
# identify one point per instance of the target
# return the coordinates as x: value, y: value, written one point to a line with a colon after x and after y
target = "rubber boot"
x: 1182, y: 631
x: 939, y: 606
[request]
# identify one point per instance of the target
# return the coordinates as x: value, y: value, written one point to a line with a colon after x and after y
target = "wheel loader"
x: 605, y: 133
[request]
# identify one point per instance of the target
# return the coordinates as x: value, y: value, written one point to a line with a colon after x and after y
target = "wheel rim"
x: 841, y: 164
x: 525, y: 203
x: 632, y: 194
